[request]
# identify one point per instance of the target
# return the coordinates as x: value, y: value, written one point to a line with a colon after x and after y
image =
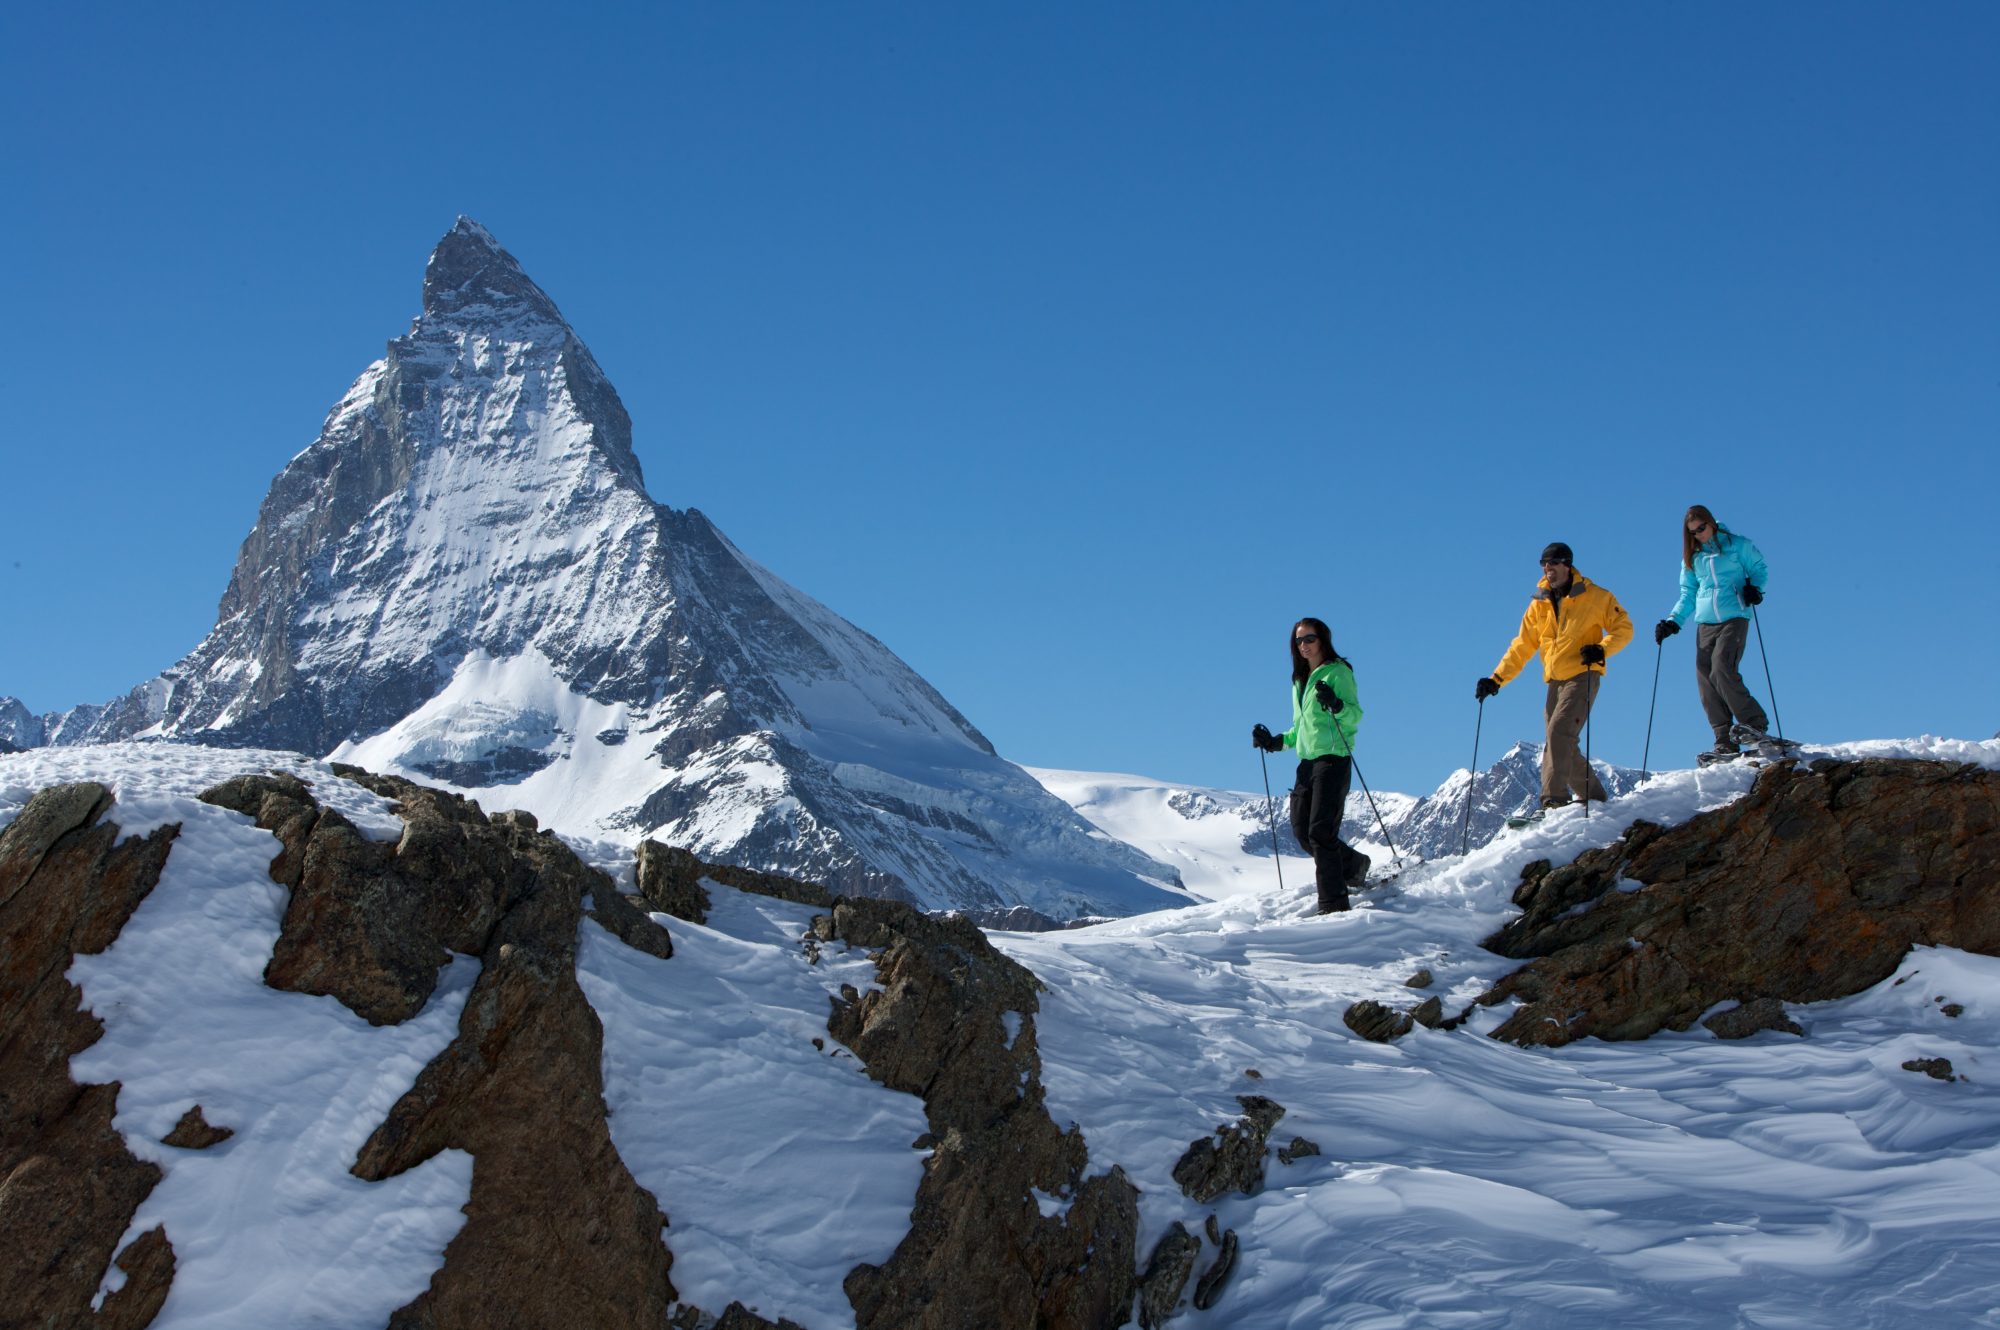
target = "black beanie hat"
x: 1555, y: 549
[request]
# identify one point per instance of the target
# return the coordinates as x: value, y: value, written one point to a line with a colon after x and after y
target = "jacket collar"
x: 1577, y: 583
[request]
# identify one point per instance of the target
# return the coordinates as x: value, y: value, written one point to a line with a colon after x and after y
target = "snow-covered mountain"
x: 464, y: 579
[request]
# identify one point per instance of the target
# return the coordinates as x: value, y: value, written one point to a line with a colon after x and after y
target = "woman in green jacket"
x: 1325, y: 714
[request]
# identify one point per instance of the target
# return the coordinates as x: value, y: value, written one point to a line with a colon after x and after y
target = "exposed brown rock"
x: 1167, y: 1272
x: 979, y: 1251
x: 1812, y: 886
x: 1233, y: 1158
x: 1376, y: 1021
x: 1752, y: 1017
x: 670, y: 881
x: 1208, y: 1288
x: 193, y: 1132
x: 557, y: 1232
x: 1938, y: 1069
x: 148, y: 1264
x: 1421, y: 979
x: 1300, y: 1148
x: 68, y: 1185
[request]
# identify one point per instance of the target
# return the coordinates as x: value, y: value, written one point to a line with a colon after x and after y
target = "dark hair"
x: 1688, y: 543
x: 1299, y: 667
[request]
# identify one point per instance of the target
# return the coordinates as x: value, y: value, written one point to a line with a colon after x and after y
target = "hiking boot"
x: 1357, y: 872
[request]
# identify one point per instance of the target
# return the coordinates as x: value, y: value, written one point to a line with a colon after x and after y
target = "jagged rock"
x: 1812, y: 886
x: 1421, y: 979
x: 1952, y: 1009
x: 1233, y: 1158
x: 1209, y: 1287
x: 670, y: 881
x: 1938, y: 1069
x: 738, y: 1317
x: 1374, y: 1021
x: 1429, y: 1013
x: 1300, y: 1148
x: 68, y: 1185
x: 1748, y: 1018
x: 1167, y: 1271
x: 557, y: 1232
x: 979, y: 1251
x: 193, y: 1132
x: 148, y: 1263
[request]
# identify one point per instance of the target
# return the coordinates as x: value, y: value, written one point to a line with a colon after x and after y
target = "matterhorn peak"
x: 470, y: 273
x: 463, y: 579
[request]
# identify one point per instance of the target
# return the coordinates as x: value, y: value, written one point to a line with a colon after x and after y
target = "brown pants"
x: 1564, y: 772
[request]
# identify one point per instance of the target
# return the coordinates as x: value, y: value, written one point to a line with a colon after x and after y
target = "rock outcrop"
x: 1233, y: 1158
x: 1812, y: 886
x: 68, y: 1185
x: 1006, y: 1230
x: 555, y: 1219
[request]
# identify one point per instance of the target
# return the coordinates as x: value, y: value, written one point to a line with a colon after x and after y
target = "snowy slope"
x: 1681, y: 1181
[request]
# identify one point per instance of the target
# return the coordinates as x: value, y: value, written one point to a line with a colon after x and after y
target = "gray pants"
x: 1563, y: 767
x: 1718, y: 651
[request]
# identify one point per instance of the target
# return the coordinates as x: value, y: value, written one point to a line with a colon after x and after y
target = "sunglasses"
x: 1700, y: 527
x: 1305, y: 639
x: 1555, y: 563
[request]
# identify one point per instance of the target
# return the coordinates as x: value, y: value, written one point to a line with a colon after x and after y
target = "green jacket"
x: 1314, y: 733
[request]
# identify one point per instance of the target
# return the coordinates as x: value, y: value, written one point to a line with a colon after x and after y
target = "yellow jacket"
x: 1561, y: 625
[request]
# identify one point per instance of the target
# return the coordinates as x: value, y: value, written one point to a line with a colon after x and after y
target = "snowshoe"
x: 1519, y: 820
x: 1715, y: 755
x: 1759, y: 740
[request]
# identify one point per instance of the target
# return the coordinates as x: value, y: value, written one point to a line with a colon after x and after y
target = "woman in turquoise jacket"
x: 1722, y: 576
x: 1326, y: 712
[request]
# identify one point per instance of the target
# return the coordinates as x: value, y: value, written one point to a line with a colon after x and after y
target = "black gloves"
x: 1485, y: 688
x: 1593, y: 654
x: 1753, y: 594
x: 1663, y: 630
x: 1329, y: 702
x: 1262, y: 739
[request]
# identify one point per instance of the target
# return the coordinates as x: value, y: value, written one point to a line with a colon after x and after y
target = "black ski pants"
x: 1319, y: 801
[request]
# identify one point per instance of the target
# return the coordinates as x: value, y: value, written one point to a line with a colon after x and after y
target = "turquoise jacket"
x: 1314, y: 733
x: 1711, y: 590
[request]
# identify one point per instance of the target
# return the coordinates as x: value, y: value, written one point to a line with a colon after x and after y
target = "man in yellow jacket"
x: 1575, y: 624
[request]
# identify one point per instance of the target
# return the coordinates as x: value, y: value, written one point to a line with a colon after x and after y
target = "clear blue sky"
x: 1072, y: 350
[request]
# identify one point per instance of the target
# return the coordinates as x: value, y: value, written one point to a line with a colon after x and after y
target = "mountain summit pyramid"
x: 464, y: 579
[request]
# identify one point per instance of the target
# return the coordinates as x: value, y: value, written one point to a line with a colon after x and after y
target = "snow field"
x: 1679, y: 1181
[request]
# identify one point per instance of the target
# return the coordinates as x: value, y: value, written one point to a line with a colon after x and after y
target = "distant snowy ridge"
x: 1222, y: 841
x: 464, y: 580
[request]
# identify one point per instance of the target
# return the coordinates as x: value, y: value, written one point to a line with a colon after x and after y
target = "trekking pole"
x: 1271, y: 817
x: 1465, y: 827
x: 1657, y: 648
x: 1772, y: 688
x: 1386, y: 838
x: 1588, y: 774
